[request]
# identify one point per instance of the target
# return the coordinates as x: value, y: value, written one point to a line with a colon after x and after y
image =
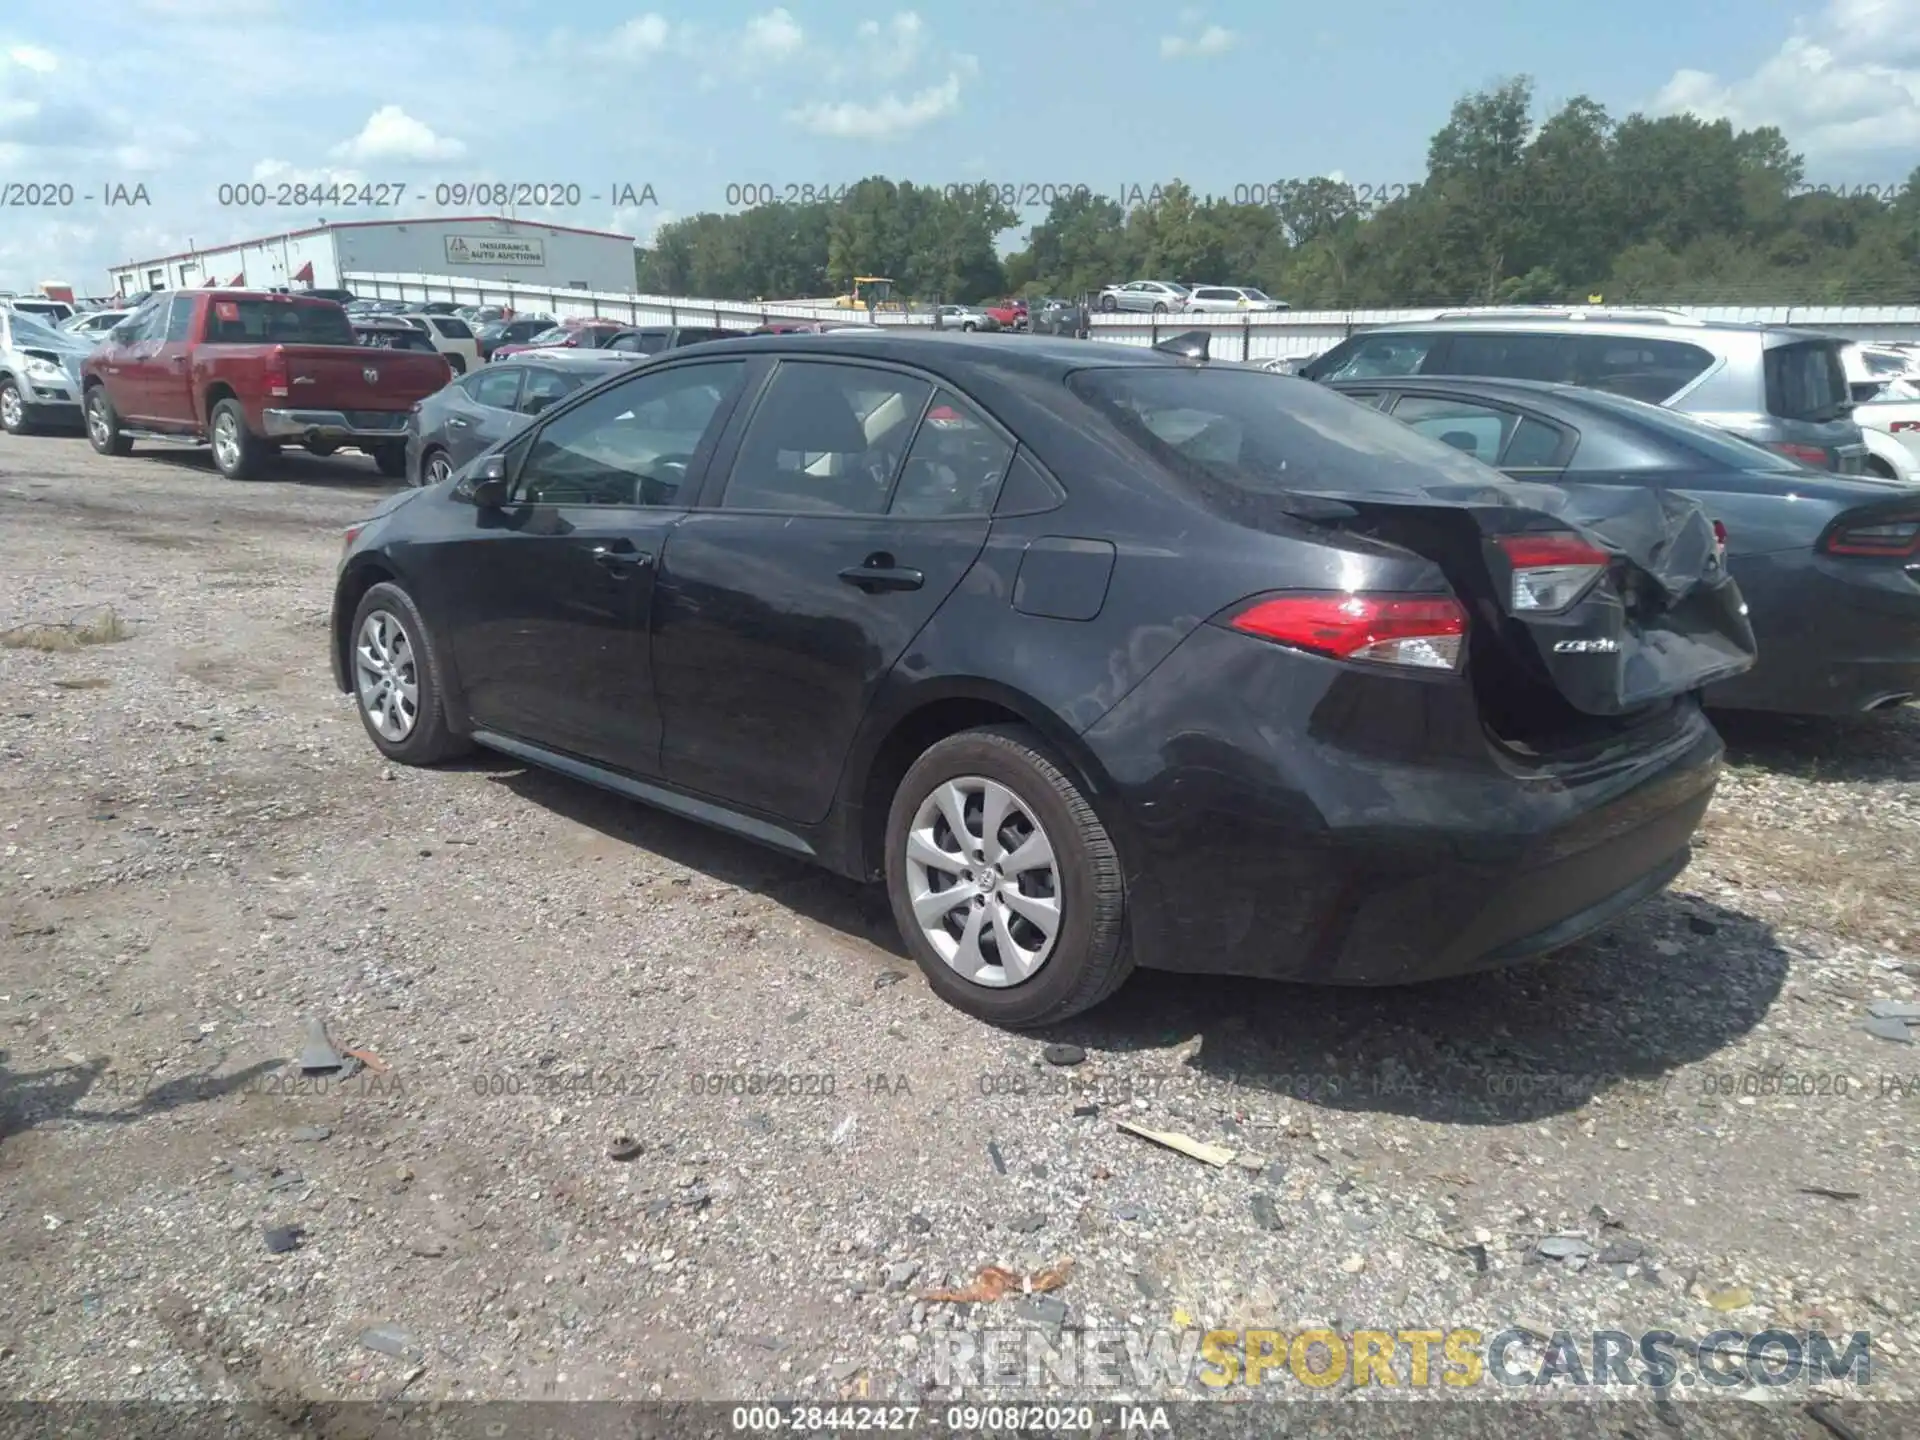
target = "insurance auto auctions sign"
x: 492, y: 250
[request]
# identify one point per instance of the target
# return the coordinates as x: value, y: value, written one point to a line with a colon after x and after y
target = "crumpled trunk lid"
x: 1663, y: 619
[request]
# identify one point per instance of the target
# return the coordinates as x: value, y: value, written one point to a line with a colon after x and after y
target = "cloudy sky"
x: 183, y: 96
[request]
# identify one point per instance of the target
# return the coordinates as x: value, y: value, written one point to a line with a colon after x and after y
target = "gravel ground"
x: 199, y: 850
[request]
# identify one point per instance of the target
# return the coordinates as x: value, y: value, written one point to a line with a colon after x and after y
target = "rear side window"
x: 955, y: 465
x: 1269, y: 434
x: 1649, y: 370
x: 277, y: 322
x: 1374, y: 357
x: 1534, y: 443
x: 1806, y: 381
x: 1510, y: 356
x: 1472, y: 429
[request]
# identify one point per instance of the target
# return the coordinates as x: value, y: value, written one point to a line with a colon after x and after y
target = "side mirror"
x: 487, y: 486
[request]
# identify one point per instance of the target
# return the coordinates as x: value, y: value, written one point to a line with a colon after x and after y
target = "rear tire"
x: 392, y: 460
x: 103, y: 424
x: 1108, y: 304
x: 1084, y: 958
x: 393, y: 665
x: 238, y: 453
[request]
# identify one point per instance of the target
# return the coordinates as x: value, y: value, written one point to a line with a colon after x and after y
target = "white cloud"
x: 643, y: 222
x: 884, y: 119
x: 640, y: 38
x: 894, y: 49
x: 775, y: 35
x: 1214, y: 40
x: 1846, y: 83
x: 392, y: 134
x: 32, y: 57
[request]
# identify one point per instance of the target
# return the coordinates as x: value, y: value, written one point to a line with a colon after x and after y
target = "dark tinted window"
x: 1373, y: 357
x: 1693, y: 436
x: 496, y: 386
x: 1534, y: 442
x: 1649, y: 370
x: 630, y: 445
x: 1512, y: 357
x: 1806, y: 381
x: 454, y: 329
x: 278, y: 322
x: 1269, y: 434
x: 699, y: 337
x: 955, y: 465
x: 1468, y: 426
x: 394, y: 339
x: 826, y: 439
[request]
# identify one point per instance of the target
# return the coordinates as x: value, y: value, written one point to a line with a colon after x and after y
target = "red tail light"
x: 1551, y: 571
x: 1720, y: 533
x: 1806, y: 454
x: 1896, y: 538
x: 1424, y: 632
x: 275, y: 373
x: 1900, y: 427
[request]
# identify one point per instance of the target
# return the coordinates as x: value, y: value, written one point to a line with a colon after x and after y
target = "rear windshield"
x: 395, y: 339
x: 1271, y: 434
x: 1696, y: 436
x: 1806, y: 381
x: 277, y: 322
x: 553, y: 335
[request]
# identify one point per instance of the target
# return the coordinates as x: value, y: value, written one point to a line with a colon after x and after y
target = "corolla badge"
x: 1586, y: 647
x: 372, y: 375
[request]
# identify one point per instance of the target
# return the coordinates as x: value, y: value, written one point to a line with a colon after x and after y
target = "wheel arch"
x: 898, y: 734
x: 216, y: 391
x: 362, y: 573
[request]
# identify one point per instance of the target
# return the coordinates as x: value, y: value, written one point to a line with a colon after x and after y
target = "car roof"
x: 563, y: 356
x: 1678, y: 329
x: 949, y: 350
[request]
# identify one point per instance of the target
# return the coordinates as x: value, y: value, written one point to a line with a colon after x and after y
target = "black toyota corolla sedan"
x: 1829, y: 565
x: 1096, y: 657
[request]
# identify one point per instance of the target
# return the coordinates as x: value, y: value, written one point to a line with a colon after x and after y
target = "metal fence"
x: 1276, y: 335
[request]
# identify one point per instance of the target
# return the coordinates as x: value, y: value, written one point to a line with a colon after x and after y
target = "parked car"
x: 248, y: 371
x: 1824, y: 562
x: 1095, y: 661
x: 965, y: 317
x: 1009, y: 314
x: 567, y: 335
x: 1891, y: 424
x: 93, y: 323
x: 805, y: 327
x: 450, y: 427
x: 429, y: 307
x: 1054, y: 315
x: 516, y: 331
x: 1231, y: 299
x: 39, y: 373
x: 1782, y: 388
x: 478, y: 315
x: 1157, y: 297
x: 451, y: 336
x: 656, y: 340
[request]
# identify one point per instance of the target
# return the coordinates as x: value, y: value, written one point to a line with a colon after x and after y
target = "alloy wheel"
x: 983, y: 881
x: 387, y: 676
x: 97, y: 425
x: 226, y: 441
x: 12, y: 409
x: 438, y: 469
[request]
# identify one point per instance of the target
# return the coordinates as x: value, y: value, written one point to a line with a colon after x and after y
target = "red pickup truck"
x: 248, y: 372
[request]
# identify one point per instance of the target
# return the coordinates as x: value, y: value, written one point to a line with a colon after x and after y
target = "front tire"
x: 103, y: 425
x: 238, y: 453
x: 396, y: 680
x: 13, y: 409
x: 1004, y: 882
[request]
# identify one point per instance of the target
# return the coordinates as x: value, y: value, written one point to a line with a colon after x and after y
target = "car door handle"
x: 621, y: 557
x: 457, y: 423
x: 179, y: 362
x: 873, y: 578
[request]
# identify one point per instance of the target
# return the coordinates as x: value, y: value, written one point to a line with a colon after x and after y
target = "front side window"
x: 630, y: 445
x: 826, y: 440
x: 1374, y: 357
x: 180, y: 317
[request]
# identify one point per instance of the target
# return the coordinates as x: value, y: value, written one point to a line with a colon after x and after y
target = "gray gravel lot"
x: 199, y: 848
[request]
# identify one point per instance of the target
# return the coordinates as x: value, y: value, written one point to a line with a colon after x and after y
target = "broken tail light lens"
x: 1551, y: 571
x: 1421, y: 632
